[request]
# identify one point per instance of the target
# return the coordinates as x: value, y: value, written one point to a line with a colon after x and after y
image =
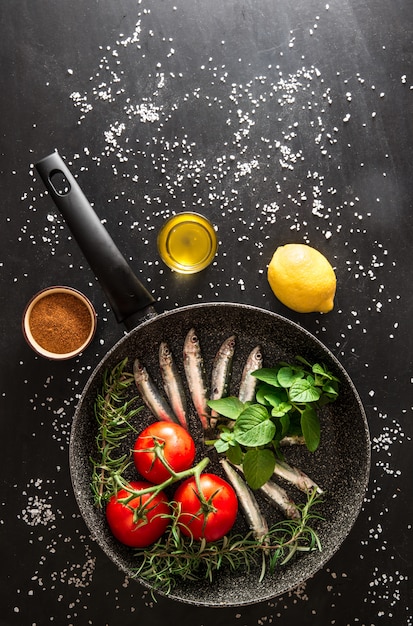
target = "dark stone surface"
x: 280, y: 122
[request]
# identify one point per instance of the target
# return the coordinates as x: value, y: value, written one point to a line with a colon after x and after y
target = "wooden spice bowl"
x: 59, y: 322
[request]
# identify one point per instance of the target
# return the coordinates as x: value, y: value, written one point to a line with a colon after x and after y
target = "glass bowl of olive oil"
x: 187, y: 242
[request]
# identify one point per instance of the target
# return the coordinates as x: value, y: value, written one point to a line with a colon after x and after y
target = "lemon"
x: 302, y: 278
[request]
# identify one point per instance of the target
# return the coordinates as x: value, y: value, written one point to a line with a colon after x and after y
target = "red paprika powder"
x: 60, y: 322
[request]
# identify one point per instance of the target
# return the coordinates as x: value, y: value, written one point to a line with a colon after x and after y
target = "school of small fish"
x: 174, y: 408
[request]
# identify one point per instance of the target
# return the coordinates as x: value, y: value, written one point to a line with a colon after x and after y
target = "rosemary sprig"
x: 113, y: 412
x: 175, y: 557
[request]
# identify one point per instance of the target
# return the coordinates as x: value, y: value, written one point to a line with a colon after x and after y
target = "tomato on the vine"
x: 145, y: 530
x: 212, y: 520
x: 172, y: 441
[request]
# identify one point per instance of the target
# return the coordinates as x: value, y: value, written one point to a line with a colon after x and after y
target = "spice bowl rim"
x: 26, y: 326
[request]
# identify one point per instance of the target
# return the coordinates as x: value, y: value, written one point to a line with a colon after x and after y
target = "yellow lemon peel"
x: 302, y: 278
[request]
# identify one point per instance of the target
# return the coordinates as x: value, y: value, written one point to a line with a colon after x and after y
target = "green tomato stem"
x: 195, y: 471
x: 158, y: 450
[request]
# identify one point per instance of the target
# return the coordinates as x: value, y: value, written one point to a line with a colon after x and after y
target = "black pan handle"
x: 129, y: 299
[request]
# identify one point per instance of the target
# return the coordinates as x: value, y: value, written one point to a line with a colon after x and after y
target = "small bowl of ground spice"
x: 59, y: 322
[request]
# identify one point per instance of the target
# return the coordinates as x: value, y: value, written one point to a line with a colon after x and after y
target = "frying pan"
x: 340, y: 465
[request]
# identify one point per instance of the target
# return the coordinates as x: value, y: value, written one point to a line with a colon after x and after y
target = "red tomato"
x: 147, y: 530
x: 178, y: 449
x: 200, y: 524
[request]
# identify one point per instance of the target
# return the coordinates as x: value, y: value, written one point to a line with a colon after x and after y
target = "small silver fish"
x: 280, y: 498
x: 296, y: 477
x: 173, y: 383
x: 292, y: 440
x: 151, y: 395
x: 221, y: 371
x: 248, y: 383
x: 255, y: 518
x: 195, y: 376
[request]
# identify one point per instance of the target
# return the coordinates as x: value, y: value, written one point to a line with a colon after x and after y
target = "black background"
x: 281, y: 122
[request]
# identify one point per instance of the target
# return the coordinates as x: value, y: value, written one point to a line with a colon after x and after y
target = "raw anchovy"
x: 172, y: 382
x: 195, y: 376
x: 221, y: 371
x: 280, y: 498
x: 248, y: 383
x: 255, y: 518
x: 151, y: 394
x: 292, y: 440
x: 295, y: 476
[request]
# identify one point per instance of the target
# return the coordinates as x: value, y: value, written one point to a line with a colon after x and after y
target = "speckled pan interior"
x: 340, y: 465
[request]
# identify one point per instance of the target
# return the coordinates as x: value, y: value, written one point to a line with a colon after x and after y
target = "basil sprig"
x: 287, y: 400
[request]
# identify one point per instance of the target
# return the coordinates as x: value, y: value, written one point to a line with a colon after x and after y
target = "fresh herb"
x: 175, y: 557
x: 287, y: 401
x: 114, y: 413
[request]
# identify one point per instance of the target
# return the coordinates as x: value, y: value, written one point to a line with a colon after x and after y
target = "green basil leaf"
x: 324, y: 372
x: 318, y: 368
x: 235, y: 454
x: 303, y: 391
x: 221, y: 446
x: 285, y: 424
x: 281, y: 409
x: 330, y: 389
x: 254, y: 427
x: 278, y: 433
x: 227, y: 434
x: 301, y: 359
x: 295, y: 424
x: 288, y: 375
x: 263, y: 390
x: 258, y: 467
x: 229, y: 407
x: 310, y: 425
x: 267, y: 375
x: 310, y: 379
x: 276, y: 397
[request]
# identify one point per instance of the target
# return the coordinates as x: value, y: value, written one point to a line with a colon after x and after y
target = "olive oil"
x: 187, y: 243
